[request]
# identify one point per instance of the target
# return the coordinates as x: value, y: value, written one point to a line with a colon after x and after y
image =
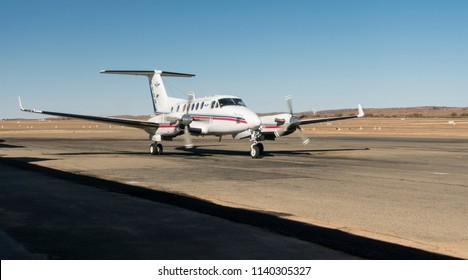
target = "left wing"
x: 124, y: 122
x: 319, y: 120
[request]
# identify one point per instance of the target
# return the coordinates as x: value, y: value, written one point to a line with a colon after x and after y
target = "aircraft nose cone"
x: 254, y: 121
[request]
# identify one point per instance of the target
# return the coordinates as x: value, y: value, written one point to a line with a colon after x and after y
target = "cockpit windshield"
x: 231, y: 102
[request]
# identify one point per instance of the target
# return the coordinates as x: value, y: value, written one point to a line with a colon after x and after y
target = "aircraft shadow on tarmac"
x: 23, y: 160
x: 204, y: 151
x: 4, y: 145
x: 309, y: 152
x: 99, y: 153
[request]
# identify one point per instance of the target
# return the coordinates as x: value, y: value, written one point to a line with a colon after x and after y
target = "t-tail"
x: 159, y: 96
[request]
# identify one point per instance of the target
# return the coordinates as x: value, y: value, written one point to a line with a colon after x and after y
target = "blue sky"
x: 326, y: 54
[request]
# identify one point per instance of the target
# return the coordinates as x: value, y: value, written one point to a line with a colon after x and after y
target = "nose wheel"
x: 156, y: 149
x: 256, y: 150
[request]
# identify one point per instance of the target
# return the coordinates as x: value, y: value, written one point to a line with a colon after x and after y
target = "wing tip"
x: 360, y: 111
x: 20, y: 104
x: 27, y: 110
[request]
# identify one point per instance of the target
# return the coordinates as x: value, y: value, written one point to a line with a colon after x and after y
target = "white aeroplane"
x: 217, y: 115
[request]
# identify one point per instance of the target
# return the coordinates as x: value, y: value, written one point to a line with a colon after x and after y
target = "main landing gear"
x: 156, y: 149
x: 256, y: 149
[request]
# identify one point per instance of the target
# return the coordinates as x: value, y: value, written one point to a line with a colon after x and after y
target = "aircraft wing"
x: 319, y: 120
x: 120, y: 121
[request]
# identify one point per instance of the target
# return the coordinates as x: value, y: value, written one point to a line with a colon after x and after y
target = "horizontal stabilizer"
x: 148, y: 73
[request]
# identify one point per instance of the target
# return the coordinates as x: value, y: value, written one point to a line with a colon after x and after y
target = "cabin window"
x: 185, y: 106
x: 178, y: 107
x: 193, y: 106
x: 197, y: 106
x: 217, y: 105
x: 213, y: 104
x: 202, y: 104
x: 172, y: 109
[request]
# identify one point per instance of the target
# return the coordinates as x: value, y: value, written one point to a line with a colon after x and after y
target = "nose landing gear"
x: 256, y: 149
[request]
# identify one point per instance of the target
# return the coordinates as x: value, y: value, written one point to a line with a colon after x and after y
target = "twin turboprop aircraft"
x: 215, y: 115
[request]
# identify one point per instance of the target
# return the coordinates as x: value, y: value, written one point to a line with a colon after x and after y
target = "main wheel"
x: 159, y: 147
x: 153, y: 149
x: 260, y: 146
x: 156, y: 149
x: 255, y: 151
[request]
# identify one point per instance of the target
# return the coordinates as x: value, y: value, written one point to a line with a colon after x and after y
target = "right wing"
x: 124, y: 122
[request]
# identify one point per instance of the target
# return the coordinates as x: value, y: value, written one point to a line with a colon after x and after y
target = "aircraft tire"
x: 153, y: 149
x: 159, y: 149
x: 260, y: 146
x: 156, y: 149
x: 255, y: 151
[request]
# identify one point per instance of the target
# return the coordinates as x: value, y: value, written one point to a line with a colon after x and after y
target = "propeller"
x: 185, y: 121
x: 295, y: 121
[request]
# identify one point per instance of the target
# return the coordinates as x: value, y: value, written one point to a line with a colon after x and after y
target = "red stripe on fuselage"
x: 272, y: 126
x: 233, y: 119
x: 167, y: 125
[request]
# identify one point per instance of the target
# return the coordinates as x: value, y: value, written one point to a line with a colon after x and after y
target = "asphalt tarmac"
x: 50, y: 218
x: 370, y: 197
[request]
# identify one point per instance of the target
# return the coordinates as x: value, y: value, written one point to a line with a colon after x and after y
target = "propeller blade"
x: 295, y: 121
x: 186, y: 120
x: 189, y: 101
x: 289, y: 102
x: 304, y: 138
x: 187, y: 138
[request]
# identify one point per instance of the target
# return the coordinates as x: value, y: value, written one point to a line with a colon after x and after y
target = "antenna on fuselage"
x: 192, y: 94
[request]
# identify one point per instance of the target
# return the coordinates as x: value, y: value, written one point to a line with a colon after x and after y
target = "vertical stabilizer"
x: 158, y: 91
x: 159, y: 96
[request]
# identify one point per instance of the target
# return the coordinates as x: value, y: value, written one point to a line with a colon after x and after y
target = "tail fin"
x: 158, y: 91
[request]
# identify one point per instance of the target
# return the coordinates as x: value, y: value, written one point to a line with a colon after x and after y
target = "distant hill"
x: 408, y: 112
